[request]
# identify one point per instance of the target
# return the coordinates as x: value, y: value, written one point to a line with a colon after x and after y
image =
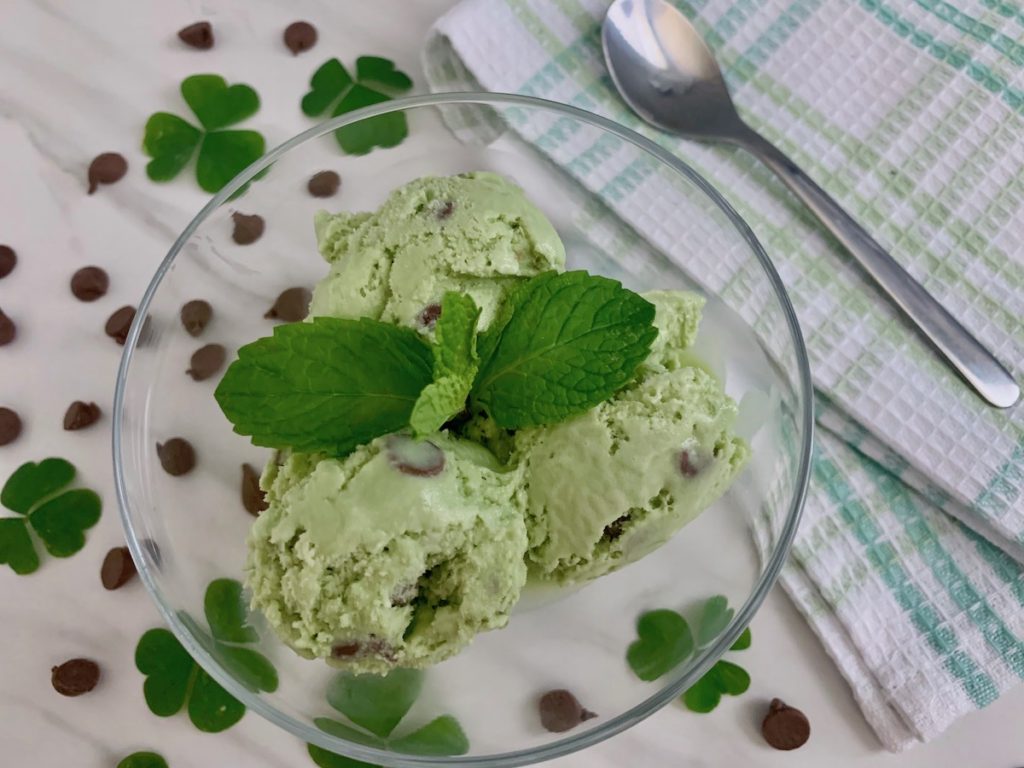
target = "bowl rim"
x: 654, y: 702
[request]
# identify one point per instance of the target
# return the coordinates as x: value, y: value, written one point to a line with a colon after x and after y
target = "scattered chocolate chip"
x: 118, y: 568
x: 444, y: 210
x: 560, y: 711
x: 345, y: 650
x: 419, y: 458
x: 107, y: 168
x: 89, y: 283
x: 195, y: 315
x: 81, y: 415
x: 198, y: 35
x: 10, y: 426
x: 254, y: 499
x: 291, y: 306
x: 8, y: 330
x: 299, y: 36
x: 75, y: 677
x: 614, y: 529
x: 324, y: 184
x: 785, y: 727
x: 8, y: 259
x: 427, y: 317
x: 248, y: 227
x: 177, y: 456
x: 689, y: 465
x: 206, y: 361
x: 119, y: 324
x: 373, y: 646
x: 404, y: 594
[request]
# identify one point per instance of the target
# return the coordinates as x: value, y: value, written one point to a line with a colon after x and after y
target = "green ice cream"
x: 475, y: 233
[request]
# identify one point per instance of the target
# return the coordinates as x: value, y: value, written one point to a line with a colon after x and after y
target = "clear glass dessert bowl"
x: 609, y: 192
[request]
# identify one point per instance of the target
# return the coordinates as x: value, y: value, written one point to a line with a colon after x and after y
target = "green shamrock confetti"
x: 59, y: 519
x: 377, y: 705
x: 333, y: 89
x: 171, y: 141
x: 173, y: 679
x: 723, y: 678
x: 143, y: 760
x: 664, y: 641
x: 713, y: 619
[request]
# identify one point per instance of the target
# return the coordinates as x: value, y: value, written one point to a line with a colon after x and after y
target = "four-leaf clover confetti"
x: 59, y: 519
x: 223, y: 154
x: 377, y: 705
x: 334, y: 90
x: 174, y: 679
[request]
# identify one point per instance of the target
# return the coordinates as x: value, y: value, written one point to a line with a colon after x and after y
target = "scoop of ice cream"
x: 475, y: 233
x: 397, y: 555
x: 677, y: 318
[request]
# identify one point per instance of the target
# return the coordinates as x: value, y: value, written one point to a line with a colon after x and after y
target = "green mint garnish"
x: 173, y: 679
x: 329, y: 385
x: 664, y: 641
x: 59, y: 520
x: 143, y: 760
x: 378, y: 704
x: 171, y: 141
x: 563, y: 343
x: 455, y: 365
x: 376, y: 79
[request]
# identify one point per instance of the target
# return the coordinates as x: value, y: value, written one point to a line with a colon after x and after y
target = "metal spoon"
x: 667, y: 75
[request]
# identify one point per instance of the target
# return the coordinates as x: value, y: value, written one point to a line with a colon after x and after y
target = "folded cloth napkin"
x: 908, y: 564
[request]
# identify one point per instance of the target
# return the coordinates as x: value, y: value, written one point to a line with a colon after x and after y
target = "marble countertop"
x: 80, y: 79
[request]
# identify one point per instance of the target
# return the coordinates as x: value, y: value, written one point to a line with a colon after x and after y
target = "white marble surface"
x: 77, y: 79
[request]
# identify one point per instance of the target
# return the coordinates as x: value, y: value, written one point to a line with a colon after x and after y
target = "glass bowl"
x: 185, y: 532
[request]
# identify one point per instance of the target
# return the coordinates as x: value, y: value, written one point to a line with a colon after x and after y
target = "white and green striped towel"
x: 911, y: 112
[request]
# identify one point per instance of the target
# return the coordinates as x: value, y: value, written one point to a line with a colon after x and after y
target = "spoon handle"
x: 965, y: 353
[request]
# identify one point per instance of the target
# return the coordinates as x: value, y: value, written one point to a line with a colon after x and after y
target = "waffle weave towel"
x: 908, y: 564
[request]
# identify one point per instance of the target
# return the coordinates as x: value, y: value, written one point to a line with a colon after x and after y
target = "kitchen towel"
x: 910, y: 560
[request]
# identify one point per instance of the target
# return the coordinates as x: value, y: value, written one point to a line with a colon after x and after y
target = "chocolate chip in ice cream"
x: 372, y: 646
x: 254, y: 498
x: 324, y: 184
x: 614, y: 529
x: 291, y: 306
x: 89, y: 283
x: 119, y: 323
x: 444, y: 210
x: 177, y: 456
x: 198, y: 35
x: 8, y: 260
x: 195, y: 316
x: 118, y: 568
x: 108, y: 168
x: 80, y: 415
x: 248, y: 227
x: 419, y: 458
x: 75, y: 677
x: 785, y: 727
x: 427, y: 318
x: 690, y: 464
x: 206, y: 361
x: 560, y: 711
x: 10, y: 426
x: 299, y: 36
x: 8, y: 330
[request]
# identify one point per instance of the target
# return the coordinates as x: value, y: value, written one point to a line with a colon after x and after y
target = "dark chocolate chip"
x: 427, y: 318
x: 177, y: 456
x: 419, y: 458
x: 119, y: 324
x: 291, y: 306
x: 89, y: 283
x: 785, y: 727
x: 689, y: 465
x: 8, y: 330
x: 81, y: 415
x: 198, y: 35
x: 372, y: 646
x: 75, y: 677
x: 345, y: 650
x: 254, y: 499
x: 206, y: 361
x: 107, y: 168
x: 8, y: 259
x: 324, y: 184
x: 444, y: 210
x: 248, y: 227
x: 118, y: 568
x: 10, y: 426
x: 195, y: 316
x: 614, y: 529
x: 299, y: 36
x: 560, y: 711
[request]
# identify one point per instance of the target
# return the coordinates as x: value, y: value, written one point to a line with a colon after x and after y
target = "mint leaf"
x: 664, y: 641
x: 31, y: 483
x: 455, y: 364
x: 374, y: 702
x: 440, y: 737
x: 226, y: 612
x: 143, y: 760
x: 743, y: 641
x: 16, y: 549
x: 567, y: 342
x: 329, y: 385
x: 714, y: 618
x: 62, y: 521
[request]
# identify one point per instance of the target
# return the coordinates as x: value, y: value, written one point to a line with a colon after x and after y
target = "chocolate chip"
x: 444, y: 210
x: 419, y: 458
x: 118, y: 568
x: 291, y: 306
x: 8, y: 259
x: 206, y: 361
x: 8, y: 330
x: 80, y: 415
x: 254, y: 499
x: 614, y: 529
x: 195, y: 315
x: 372, y: 646
x: 89, y: 283
x: 299, y: 36
x: 119, y: 324
x: 427, y: 317
x: 560, y: 711
x: 107, y: 168
x: 689, y: 464
x: 75, y: 677
x: 248, y: 227
x: 198, y: 35
x: 345, y: 650
x: 785, y: 727
x: 324, y: 184
x: 10, y: 426
x: 177, y: 456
